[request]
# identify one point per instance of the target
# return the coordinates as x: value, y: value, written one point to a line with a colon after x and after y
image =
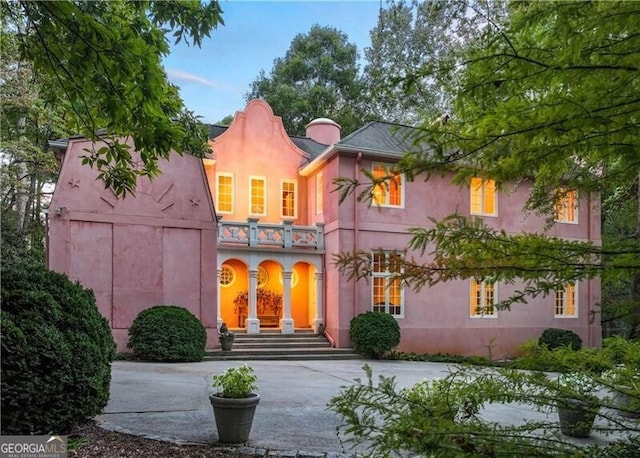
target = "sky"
x: 214, y: 78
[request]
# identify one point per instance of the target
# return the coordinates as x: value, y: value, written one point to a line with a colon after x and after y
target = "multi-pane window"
x: 288, y: 192
x: 390, y: 193
x: 227, y: 275
x: 565, y: 302
x: 257, y: 196
x: 483, y: 298
x: 483, y: 197
x: 224, y: 193
x: 387, y: 291
x: 567, y: 207
x: 319, y: 193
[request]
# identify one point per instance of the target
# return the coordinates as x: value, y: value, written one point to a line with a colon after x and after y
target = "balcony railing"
x: 284, y: 235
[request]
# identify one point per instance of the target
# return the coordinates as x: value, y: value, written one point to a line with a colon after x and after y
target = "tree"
x: 28, y: 121
x: 409, y: 37
x: 549, y: 99
x: 317, y: 77
x: 104, y: 59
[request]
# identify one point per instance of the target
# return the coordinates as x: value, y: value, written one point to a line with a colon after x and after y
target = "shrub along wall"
x: 167, y: 333
x: 56, y: 352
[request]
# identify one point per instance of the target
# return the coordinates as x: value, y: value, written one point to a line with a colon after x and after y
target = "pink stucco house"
x: 269, y: 263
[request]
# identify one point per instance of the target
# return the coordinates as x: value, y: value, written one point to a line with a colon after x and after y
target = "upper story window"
x: 319, y: 192
x: 257, y: 196
x: 483, y: 298
x: 387, y: 290
x: 224, y: 192
x: 565, y: 302
x: 391, y: 192
x: 483, y: 197
x: 288, y: 190
x: 566, y: 207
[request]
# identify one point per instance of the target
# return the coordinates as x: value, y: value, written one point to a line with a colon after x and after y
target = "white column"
x: 286, y: 323
x: 252, y: 323
x: 318, y: 320
x: 219, y: 304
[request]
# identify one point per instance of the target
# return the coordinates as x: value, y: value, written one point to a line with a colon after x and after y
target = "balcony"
x: 285, y: 235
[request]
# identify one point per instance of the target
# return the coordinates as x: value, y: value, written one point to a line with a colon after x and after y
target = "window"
x: 257, y: 196
x: 387, y: 291
x: 565, y: 302
x: 483, y: 299
x: 483, y: 197
x: 288, y: 192
x: 566, y: 207
x: 224, y: 193
x: 319, y: 194
x: 227, y: 275
x: 390, y: 193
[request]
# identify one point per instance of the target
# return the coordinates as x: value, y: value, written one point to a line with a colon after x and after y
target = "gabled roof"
x: 382, y: 136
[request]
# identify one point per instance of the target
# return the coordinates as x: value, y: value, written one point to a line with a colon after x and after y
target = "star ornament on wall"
x: 195, y: 201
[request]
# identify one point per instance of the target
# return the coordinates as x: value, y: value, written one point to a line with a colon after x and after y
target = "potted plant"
x: 226, y: 337
x: 624, y: 384
x: 235, y: 402
x: 577, y: 404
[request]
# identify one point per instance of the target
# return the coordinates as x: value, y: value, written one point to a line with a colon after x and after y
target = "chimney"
x: 323, y: 130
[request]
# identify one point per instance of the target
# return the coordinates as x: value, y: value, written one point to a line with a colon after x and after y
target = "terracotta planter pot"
x: 234, y: 417
x: 576, y: 418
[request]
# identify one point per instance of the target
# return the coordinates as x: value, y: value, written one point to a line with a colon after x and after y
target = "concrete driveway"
x: 170, y: 401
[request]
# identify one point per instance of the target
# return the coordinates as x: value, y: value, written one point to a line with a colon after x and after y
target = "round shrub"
x: 555, y: 338
x: 167, y: 333
x: 374, y: 333
x: 56, y: 352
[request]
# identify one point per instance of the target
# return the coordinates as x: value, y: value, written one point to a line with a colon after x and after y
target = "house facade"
x: 280, y: 225
x: 269, y: 265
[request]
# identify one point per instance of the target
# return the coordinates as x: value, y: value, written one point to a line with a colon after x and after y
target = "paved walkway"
x: 170, y: 402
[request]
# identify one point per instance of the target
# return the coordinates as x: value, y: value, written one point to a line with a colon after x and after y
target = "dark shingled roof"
x: 309, y: 145
x: 382, y: 136
x: 216, y: 130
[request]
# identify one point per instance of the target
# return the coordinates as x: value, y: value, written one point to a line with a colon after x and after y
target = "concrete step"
x: 277, y: 346
x: 283, y: 354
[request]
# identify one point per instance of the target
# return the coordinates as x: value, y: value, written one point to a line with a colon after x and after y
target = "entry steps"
x: 271, y: 345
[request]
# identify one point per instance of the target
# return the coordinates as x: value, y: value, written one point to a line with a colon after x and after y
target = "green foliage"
x: 446, y: 417
x: 374, y: 333
x: 317, y: 77
x: 413, y: 35
x: 105, y: 61
x: 624, y: 448
x: 562, y: 359
x: 554, y: 338
x: 56, y: 352
x: 236, y: 382
x: 167, y: 333
x: 546, y: 101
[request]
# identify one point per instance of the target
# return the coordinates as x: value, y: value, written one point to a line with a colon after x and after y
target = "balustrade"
x: 253, y: 233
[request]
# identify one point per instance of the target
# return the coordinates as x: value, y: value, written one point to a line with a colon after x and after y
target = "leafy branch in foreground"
x: 105, y: 60
x: 451, y: 416
x: 463, y: 248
